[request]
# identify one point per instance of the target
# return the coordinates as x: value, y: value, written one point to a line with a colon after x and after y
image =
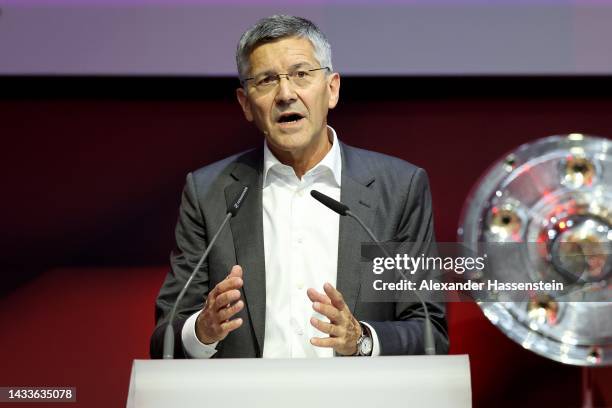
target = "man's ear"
x: 244, y: 102
x: 334, y: 90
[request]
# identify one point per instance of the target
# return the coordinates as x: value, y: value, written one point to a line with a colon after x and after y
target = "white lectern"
x: 406, y: 381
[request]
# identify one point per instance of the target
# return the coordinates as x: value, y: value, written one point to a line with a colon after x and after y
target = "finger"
x: 209, y: 300
x: 328, y: 328
x: 226, y: 285
x: 328, y: 311
x: 315, y: 296
x: 235, y: 272
x: 226, y: 298
x: 231, y: 325
x: 335, y: 296
x: 227, y: 312
x: 331, y: 342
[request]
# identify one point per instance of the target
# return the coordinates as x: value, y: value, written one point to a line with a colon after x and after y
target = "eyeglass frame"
x: 278, y: 76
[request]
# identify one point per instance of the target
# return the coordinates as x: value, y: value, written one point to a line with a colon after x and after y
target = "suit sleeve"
x: 404, y: 335
x: 191, y: 243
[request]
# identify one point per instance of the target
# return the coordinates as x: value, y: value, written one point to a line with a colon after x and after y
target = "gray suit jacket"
x: 390, y: 195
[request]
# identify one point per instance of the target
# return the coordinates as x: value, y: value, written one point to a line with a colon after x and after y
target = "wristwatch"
x: 365, y: 344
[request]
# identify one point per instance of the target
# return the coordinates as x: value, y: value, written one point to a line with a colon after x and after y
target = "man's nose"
x: 286, y: 92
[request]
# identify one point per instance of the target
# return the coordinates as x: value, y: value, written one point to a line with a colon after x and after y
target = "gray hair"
x: 276, y: 27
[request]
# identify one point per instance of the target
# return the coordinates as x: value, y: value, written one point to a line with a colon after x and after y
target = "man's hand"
x: 344, y: 330
x: 223, y: 302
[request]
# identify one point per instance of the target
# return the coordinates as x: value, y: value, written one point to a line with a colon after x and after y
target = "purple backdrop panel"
x: 197, y: 37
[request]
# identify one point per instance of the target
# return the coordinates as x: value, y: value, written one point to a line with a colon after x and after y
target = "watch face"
x: 366, y: 346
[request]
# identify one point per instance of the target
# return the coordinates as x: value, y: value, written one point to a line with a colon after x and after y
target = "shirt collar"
x: 331, y: 162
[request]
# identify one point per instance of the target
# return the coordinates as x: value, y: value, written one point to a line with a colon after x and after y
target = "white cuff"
x: 375, y: 343
x: 193, y: 347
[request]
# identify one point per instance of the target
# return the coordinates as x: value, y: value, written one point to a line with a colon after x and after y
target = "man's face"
x: 275, y: 110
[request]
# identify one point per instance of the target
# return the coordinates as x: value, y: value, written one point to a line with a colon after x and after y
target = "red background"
x: 91, y: 186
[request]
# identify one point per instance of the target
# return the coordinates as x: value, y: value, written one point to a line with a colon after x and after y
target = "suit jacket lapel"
x: 361, y: 199
x: 247, y: 231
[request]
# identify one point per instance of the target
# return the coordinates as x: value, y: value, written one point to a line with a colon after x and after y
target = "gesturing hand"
x: 343, y: 329
x: 223, y: 302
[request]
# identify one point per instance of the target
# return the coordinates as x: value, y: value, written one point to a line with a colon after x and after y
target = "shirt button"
x: 300, y: 285
x: 299, y: 331
x: 300, y: 193
x: 300, y: 240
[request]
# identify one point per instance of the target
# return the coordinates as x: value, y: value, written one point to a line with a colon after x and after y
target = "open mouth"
x: 290, y: 118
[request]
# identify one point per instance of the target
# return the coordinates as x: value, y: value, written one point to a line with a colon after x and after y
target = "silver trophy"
x: 555, y: 196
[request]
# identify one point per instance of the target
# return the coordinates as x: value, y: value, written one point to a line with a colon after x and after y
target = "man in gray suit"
x: 284, y: 279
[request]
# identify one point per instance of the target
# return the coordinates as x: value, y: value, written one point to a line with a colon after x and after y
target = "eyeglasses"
x: 300, y: 78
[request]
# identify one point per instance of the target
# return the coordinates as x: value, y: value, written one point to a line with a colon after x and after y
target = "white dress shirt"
x: 301, y: 252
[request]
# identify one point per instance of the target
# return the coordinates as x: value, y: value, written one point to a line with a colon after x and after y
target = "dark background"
x: 93, y: 167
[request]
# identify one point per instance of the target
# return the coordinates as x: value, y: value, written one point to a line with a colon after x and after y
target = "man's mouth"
x: 290, y: 118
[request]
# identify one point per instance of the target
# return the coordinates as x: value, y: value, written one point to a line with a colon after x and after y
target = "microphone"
x: 232, y: 210
x: 330, y: 203
x: 343, y: 209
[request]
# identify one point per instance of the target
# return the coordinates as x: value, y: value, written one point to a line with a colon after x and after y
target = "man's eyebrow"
x: 266, y: 72
x: 298, y: 65
x: 301, y: 65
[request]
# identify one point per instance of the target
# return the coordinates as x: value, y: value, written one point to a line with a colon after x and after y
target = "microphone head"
x: 329, y: 202
x: 235, y: 206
